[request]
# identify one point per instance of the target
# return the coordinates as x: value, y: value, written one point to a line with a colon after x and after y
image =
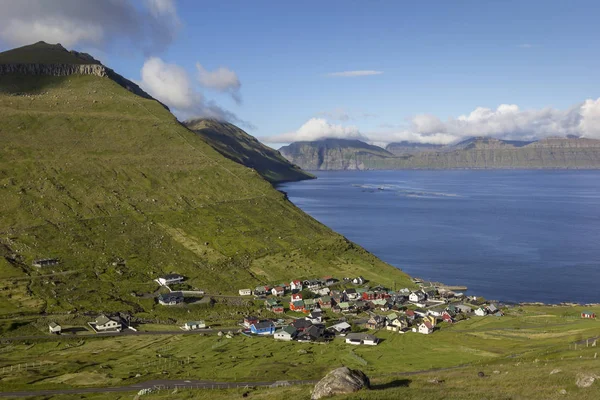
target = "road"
x: 157, y: 384
x: 126, y: 332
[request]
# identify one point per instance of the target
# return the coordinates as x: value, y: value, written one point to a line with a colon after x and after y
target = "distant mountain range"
x: 475, y: 153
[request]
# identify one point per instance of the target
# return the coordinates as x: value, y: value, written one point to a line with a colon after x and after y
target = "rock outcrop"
x: 475, y: 153
x: 340, y: 381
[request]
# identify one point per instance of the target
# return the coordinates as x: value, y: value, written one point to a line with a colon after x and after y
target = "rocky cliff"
x: 333, y: 154
x: 43, y: 59
x: 476, y: 153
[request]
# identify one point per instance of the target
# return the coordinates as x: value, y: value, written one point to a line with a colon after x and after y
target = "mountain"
x: 406, y: 147
x: 107, y: 181
x: 239, y: 146
x: 476, y: 153
x: 332, y: 154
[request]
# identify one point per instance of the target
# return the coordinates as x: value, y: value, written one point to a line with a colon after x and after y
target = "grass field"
x: 543, y: 333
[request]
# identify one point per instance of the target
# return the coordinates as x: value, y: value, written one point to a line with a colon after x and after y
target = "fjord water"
x: 515, y: 236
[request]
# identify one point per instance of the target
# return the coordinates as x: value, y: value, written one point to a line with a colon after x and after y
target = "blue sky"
x: 436, y: 61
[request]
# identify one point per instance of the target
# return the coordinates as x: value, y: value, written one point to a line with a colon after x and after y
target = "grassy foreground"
x: 528, y: 340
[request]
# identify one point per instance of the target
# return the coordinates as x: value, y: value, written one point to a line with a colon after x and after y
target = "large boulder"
x: 339, y: 381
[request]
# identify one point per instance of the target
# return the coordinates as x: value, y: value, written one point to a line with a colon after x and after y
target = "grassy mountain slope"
x: 332, y: 154
x: 478, y: 153
x: 92, y: 173
x: 243, y: 148
x: 44, y: 53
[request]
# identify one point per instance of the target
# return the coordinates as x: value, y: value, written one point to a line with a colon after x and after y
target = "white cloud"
x: 93, y: 24
x: 315, y: 129
x: 507, y: 121
x: 171, y: 84
x: 222, y: 79
x: 589, y: 124
x: 352, y: 74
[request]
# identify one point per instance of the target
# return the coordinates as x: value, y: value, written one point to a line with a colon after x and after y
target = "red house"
x: 368, y: 296
x: 296, y: 297
x: 277, y: 309
x: 297, y: 306
x: 248, y: 321
x: 588, y: 314
x: 447, y: 317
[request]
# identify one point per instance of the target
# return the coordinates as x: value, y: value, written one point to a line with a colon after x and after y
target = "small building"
x: 296, y: 297
x: 46, y: 262
x: 193, y: 325
x: 417, y: 296
x: 297, y: 306
x: 286, y: 333
x: 296, y: 285
x: 260, y: 290
x: 270, y: 303
x: 463, y: 308
x: 425, y: 328
x: 492, y: 309
x: 588, y: 314
x: 245, y: 292
x: 436, y: 312
x: 352, y: 294
x: 359, y: 280
x: 278, y: 309
x: 312, y: 284
x: 278, y: 291
x: 301, y: 324
x: 55, y: 328
x: 342, y: 327
x: 375, y: 322
x: 329, y: 280
x: 107, y: 324
x: 310, y: 304
x: 263, y: 328
x: 448, y: 317
x: 362, y: 338
x: 410, y: 314
x: 481, y: 312
x: 313, y: 333
x: 170, y: 279
x: 249, y: 320
x: 316, y: 317
x: 325, y: 301
x: 170, y: 299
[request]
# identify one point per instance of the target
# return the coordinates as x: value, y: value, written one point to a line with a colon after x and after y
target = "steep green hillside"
x: 335, y: 154
x: 92, y: 174
x: 243, y: 148
x: 477, y: 153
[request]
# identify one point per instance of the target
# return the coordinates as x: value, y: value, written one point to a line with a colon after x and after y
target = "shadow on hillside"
x: 393, y: 384
x: 16, y: 84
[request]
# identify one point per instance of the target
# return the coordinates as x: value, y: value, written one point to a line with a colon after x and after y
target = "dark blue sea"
x: 514, y: 236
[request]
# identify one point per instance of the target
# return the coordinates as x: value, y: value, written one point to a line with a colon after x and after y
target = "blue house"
x: 263, y: 328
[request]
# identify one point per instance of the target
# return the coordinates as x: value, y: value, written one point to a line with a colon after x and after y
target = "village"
x: 321, y: 309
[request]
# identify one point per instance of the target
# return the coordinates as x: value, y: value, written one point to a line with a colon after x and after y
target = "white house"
x: 295, y: 285
x: 436, y: 312
x: 481, y: 312
x: 321, y: 292
x: 416, y: 297
x: 287, y: 333
x: 193, y: 325
x: 55, y: 328
x: 316, y: 317
x: 245, y: 292
x: 278, y: 291
x: 106, y: 324
x: 169, y: 279
x: 425, y: 328
x: 362, y: 338
x: 358, y: 280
